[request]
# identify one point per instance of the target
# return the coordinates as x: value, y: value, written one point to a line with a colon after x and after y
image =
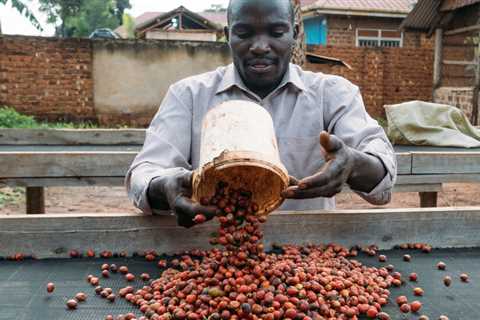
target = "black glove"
x: 176, y: 190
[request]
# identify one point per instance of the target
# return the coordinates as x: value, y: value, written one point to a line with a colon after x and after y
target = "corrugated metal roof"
x: 449, y: 5
x: 422, y: 16
x: 386, y: 6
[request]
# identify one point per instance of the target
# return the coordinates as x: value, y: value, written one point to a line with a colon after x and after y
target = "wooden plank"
x: 437, y: 64
x: 64, y: 182
x: 428, y: 199
x: 404, y: 162
x: 35, y: 200
x: 65, y: 164
x: 462, y: 30
x: 445, y: 163
x: 438, y: 178
x: 72, y: 136
x: 52, y: 235
x: 459, y: 63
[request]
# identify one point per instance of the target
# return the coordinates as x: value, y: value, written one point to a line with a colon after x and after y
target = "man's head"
x: 261, y: 35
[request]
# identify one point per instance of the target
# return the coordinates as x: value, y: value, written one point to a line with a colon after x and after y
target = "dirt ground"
x: 111, y: 200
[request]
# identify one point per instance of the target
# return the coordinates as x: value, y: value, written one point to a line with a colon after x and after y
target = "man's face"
x: 261, y: 38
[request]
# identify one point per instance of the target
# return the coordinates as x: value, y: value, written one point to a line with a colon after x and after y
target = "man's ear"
x: 226, y: 32
x: 296, y: 30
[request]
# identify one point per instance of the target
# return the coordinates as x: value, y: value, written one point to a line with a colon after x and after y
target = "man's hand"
x: 176, y: 190
x: 329, y: 180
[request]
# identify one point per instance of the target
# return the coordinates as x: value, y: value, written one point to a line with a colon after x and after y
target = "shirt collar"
x: 232, y: 78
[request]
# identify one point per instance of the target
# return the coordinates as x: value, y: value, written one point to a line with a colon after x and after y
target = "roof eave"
x: 362, y: 13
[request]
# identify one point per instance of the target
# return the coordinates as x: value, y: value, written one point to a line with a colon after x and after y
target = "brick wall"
x: 47, y: 77
x: 460, y: 97
x: 384, y: 75
x: 52, y: 78
x: 342, y: 31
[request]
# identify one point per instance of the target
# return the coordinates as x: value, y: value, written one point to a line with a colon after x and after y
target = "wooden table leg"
x: 428, y: 199
x: 35, y: 200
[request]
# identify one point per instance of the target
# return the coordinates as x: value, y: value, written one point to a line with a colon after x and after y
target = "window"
x: 379, y: 38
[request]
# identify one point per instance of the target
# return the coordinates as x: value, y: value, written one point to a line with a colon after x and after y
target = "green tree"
x: 22, y: 7
x: 93, y: 14
x: 58, y: 11
x: 120, y: 6
x: 80, y: 17
x: 129, y: 25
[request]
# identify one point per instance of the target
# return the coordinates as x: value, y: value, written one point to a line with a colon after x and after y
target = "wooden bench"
x: 53, y: 235
x: 38, y: 158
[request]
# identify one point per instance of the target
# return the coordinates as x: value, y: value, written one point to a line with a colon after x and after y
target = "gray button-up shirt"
x: 304, y: 104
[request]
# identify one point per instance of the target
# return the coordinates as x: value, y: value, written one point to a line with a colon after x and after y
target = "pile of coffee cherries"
x: 238, y: 280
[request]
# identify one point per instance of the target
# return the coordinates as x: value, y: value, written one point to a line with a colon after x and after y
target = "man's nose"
x: 260, y: 46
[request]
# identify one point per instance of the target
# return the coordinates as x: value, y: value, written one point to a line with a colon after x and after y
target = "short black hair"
x: 290, y: 9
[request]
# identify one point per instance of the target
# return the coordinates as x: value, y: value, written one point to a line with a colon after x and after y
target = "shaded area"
x: 23, y: 285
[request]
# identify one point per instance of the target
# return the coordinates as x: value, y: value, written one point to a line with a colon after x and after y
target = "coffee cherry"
x: 418, y: 292
x: 447, y: 281
x: 441, y: 265
x: 111, y: 297
x: 123, y: 270
x: 401, y: 300
x: 415, y: 306
x: 423, y: 317
x: 405, y: 308
x: 464, y: 277
x: 130, y: 277
x: 50, y: 287
x: 407, y: 258
x: 413, y: 277
x: 443, y: 317
x: 80, y: 297
x: 72, y: 304
x: 74, y: 254
x: 372, y: 312
x: 199, y: 218
x: 382, y: 258
x: 383, y: 316
x: 105, y: 274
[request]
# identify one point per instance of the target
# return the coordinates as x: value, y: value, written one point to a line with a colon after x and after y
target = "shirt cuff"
x: 382, y: 192
x: 139, y: 184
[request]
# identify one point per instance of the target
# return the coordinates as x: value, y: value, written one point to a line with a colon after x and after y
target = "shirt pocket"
x: 300, y: 155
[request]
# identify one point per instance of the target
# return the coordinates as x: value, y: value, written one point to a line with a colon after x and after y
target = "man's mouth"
x: 260, y: 66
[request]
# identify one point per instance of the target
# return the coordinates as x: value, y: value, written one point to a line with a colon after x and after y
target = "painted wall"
x: 131, y: 77
x: 179, y: 35
x: 315, y: 31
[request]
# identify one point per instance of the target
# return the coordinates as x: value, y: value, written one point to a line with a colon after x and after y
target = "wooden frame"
x: 53, y: 161
x: 53, y: 235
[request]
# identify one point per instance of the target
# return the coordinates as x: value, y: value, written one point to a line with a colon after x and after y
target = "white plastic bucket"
x: 239, y: 146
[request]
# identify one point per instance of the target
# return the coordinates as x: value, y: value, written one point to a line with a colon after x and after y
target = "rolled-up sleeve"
x: 347, y: 118
x: 166, y: 150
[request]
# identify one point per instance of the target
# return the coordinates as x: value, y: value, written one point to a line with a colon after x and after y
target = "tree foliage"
x: 22, y: 7
x: 80, y: 17
x: 129, y: 25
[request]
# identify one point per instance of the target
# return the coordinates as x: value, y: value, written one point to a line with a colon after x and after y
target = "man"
x: 304, y: 106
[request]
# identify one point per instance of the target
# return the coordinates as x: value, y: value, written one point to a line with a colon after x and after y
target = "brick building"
x: 354, y: 23
x: 454, y: 27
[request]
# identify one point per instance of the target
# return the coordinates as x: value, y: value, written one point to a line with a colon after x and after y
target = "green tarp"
x: 430, y: 124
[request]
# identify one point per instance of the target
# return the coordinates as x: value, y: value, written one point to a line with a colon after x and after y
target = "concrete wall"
x: 131, y: 77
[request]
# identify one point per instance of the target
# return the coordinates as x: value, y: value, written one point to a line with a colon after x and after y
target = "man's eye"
x: 242, y: 33
x: 278, y: 32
